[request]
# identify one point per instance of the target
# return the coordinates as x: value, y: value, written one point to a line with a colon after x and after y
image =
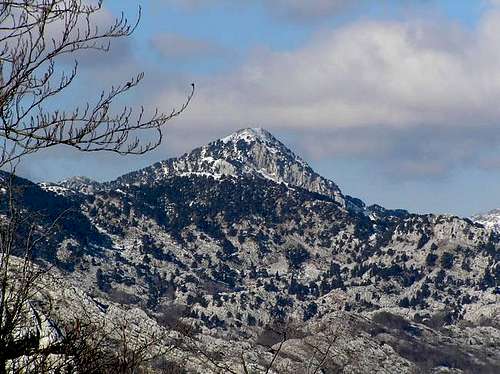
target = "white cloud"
x: 395, y: 79
x: 417, y: 98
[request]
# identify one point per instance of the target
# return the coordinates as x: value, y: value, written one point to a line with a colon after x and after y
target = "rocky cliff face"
x: 248, y: 152
x: 490, y: 220
x: 241, y: 236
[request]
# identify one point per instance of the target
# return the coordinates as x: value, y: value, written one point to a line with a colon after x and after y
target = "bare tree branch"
x: 34, y: 36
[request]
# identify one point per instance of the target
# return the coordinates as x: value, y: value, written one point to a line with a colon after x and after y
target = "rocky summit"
x: 248, y: 152
x: 272, y: 267
x: 490, y: 220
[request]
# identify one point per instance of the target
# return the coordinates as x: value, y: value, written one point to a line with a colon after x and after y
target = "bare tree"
x: 92, y: 346
x: 36, y: 39
x: 19, y: 281
x: 307, y: 351
x: 35, y: 35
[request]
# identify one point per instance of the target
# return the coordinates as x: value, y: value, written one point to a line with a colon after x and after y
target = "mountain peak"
x: 490, y: 220
x: 79, y: 183
x: 250, y: 134
x: 77, y: 179
x: 243, y: 144
x: 246, y: 152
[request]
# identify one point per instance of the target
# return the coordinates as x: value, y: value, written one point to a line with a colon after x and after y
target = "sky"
x: 396, y: 101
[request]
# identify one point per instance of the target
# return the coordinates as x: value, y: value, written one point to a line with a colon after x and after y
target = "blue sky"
x: 395, y: 101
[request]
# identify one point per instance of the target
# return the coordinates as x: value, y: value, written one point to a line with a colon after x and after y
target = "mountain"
x: 241, y: 237
x: 248, y: 152
x: 81, y: 184
x: 490, y: 220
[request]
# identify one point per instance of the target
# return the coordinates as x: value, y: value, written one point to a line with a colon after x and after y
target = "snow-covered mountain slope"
x: 81, y: 184
x: 72, y: 186
x: 490, y: 220
x: 240, y: 235
x: 250, y: 152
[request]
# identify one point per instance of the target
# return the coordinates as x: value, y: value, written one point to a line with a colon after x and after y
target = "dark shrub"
x: 430, y: 260
x: 447, y: 260
x: 297, y: 256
